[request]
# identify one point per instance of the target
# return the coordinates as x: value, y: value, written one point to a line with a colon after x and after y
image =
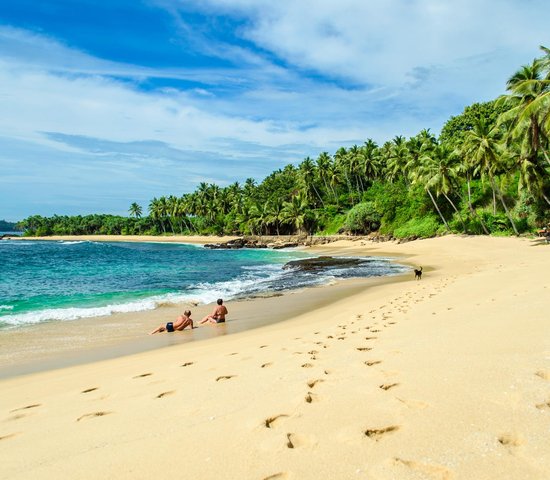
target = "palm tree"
x: 482, y: 149
x: 426, y: 175
x: 135, y: 210
x: 294, y: 212
x: 370, y: 160
x: 275, y: 212
x: 440, y: 170
x: 307, y: 175
x: 323, y: 167
x: 529, y: 110
x: 155, y: 212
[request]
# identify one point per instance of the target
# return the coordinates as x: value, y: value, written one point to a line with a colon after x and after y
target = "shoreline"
x: 443, y: 378
x: 45, y: 346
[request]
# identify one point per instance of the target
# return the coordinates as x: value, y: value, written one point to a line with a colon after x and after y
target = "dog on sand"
x: 418, y: 274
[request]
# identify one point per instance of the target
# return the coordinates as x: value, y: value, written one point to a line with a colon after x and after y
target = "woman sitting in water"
x: 218, y: 315
x: 181, y: 322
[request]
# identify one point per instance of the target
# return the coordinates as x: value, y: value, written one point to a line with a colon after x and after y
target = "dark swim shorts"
x: 170, y: 327
x: 220, y: 320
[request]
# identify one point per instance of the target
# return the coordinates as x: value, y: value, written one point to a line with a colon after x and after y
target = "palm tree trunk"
x: 457, y: 212
x: 438, y: 211
x: 318, y: 195
x: 495, y: 187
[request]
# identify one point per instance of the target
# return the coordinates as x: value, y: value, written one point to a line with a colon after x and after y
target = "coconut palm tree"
x: 135, y: 210
x: 370, y: 161
x: 529, y: 110
x: 324, y: 162
x: 307, y: 176
x: 294, y: 212
x: 439, y: 168
x: 483, y: 150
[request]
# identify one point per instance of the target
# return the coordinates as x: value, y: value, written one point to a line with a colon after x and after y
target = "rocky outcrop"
x: 322, y: 263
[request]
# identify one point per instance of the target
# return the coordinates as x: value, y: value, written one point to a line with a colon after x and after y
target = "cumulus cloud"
x: 288, y: 80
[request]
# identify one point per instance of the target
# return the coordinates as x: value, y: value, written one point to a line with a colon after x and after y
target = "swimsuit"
x: 170, y: 327
x: 220, y: 320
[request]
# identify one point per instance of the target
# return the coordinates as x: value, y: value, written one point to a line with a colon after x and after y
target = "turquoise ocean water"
x: 66, y: 280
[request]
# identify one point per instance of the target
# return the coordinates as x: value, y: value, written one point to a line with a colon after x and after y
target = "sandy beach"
x: 443, y: 378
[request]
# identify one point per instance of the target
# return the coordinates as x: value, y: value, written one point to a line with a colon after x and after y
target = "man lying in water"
x: 181, y: 322
x: 218, y: 315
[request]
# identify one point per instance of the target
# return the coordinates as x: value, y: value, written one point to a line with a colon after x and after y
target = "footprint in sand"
x: 88, y: 390
x: 264, y: 346
x: 93, y: 415
x: 544, y: 405
x: 544, y: 374
x: 35, y: 405
x: 9, y: 435
x: 307, y: 365
x: 311, y: 397
x: 364, y: 349
x: 312, y: 383
x: 435, y: 472
x: 371, y: 338
x: 377, y: 433
x: 296, y: 441
x: 370, y: 363
x: 265, y: 365
x: 387, y: 386
x: 225, y: 377
x: 165, y: 394
x: 278, y: 476
x: 511, y: 440
x: 143, y: 375
x: 270, y: 422
x: 186, y: 364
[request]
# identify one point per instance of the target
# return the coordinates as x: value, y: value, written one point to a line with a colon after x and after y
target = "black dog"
x: 418, y: 274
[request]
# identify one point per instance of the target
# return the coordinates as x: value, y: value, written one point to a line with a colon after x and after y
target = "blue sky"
x: 107, y: 102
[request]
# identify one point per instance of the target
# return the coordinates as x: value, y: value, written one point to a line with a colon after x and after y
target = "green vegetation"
x: 7, y: 226
x: 487, y: 173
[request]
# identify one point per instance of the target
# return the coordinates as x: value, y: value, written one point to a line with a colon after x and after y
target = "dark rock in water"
x: 277, y: 246
x: 321, y: 263
x: 231, y: 244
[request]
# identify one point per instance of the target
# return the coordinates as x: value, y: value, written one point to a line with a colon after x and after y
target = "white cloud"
x: 308, y: 76
x: 369, y: 41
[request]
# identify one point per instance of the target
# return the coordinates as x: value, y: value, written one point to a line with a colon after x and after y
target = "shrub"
x: 424, y: 227
x: 363, y: 218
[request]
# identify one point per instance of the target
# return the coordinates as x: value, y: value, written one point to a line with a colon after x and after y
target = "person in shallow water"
x: 217, y: 315
x: 181, y: 322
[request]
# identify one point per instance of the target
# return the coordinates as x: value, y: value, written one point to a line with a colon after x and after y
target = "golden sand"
x: 443, y: 378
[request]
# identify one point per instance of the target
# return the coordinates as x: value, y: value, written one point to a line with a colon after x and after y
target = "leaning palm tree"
x: 426, y: 175
x: 529, y: 110
x: 323, y: 163
x: 483, y: 150
x: 439, y: 168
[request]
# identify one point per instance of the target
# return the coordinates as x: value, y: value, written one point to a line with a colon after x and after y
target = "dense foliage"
x: 489, y: 172
x: 7, y: 226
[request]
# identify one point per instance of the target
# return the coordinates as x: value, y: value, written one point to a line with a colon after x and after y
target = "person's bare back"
x: 217, y: 315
